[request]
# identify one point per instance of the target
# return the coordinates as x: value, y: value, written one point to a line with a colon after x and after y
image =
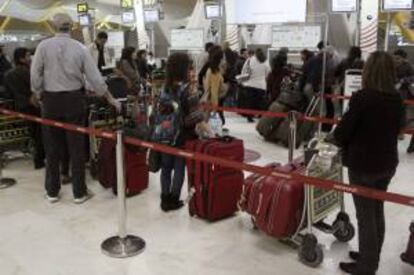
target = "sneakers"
x: 52, y: 199
x: 83, y: 199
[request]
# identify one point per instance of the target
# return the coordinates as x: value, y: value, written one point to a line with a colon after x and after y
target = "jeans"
x: 68, y: 107
x: 371, y: 221
x: 172, y: 184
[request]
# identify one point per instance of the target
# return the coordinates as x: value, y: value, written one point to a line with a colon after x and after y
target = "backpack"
x: 290, y: 95
x: 168, y: 118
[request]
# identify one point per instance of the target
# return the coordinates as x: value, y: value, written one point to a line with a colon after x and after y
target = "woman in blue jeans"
x: 179, y: 74
x: 368, y: 135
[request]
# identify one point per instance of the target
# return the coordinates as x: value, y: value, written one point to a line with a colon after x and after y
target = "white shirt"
x: 93, y: 49
x: 258, y: 73
x: 61, y: 64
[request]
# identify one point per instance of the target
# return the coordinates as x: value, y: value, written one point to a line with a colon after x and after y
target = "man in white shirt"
x: 59, y: 69
x: 99, y: 52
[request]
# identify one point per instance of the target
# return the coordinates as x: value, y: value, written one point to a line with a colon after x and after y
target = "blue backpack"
x: 168, y: 117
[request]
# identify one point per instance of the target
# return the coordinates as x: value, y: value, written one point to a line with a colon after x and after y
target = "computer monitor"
x: 212, y: 11
x: 85, y: 20
x: 128, y: 17
x: 151, y: 15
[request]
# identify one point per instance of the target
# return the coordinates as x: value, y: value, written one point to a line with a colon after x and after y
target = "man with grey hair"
x: 59, y: 70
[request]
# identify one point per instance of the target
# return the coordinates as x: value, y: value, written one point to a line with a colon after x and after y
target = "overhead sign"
x: 344, y: 6
x: 397, y: 5
x: 127, y: 4
x: 82, y: 8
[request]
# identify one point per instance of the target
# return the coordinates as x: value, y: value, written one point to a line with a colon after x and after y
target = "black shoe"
x: 165, y: 202
x: 250, y: 120
x: 348, y: 267
x: 175, y: 203
x: 410, y: 149
x: 354, y: 256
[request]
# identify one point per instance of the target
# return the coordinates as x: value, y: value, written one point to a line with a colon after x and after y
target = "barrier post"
x: 123, y: 245
x: 5, y: 182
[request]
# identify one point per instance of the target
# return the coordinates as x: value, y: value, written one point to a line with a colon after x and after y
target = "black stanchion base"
x: 117, y: 247
x: 7, y: 182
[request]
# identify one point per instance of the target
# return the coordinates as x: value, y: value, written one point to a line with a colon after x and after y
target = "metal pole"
x: 324, y: 67
x: 358, y: 26
x: 5, y: 182
x: 387, y: 32
x: 123, y: 245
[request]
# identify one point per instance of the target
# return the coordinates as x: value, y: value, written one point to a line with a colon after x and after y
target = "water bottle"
x: 216, y: 125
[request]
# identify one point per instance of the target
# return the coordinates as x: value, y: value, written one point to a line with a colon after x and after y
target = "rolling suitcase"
x: 408, y: 256
x: 216, y: 190
x: 276, y: 204
x: 136, y: 169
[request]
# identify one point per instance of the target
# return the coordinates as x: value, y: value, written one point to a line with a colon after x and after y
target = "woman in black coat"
x: 368, y: 135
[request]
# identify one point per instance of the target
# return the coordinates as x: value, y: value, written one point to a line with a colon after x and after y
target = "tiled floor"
x: 37, y: 238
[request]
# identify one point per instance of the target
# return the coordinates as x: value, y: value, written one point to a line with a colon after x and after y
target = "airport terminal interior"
x: 206, y: 137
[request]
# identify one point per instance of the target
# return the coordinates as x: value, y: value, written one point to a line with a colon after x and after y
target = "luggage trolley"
x: 14, y: 132
x: 101, y: 118
x: 323, y: 161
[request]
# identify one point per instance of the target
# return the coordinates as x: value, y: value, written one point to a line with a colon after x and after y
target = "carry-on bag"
x: 305, y: 129
x: 408, y: 255
x: 216, y: 189
x: 136, y: 168
x: 269, y: 125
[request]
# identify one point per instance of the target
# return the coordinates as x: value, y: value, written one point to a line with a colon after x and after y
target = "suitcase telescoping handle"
x: 293, y: 123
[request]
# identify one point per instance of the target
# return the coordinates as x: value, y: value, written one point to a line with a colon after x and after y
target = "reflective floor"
x: 37, y: 238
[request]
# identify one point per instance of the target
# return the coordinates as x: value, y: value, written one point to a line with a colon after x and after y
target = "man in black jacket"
x: 17, y: 88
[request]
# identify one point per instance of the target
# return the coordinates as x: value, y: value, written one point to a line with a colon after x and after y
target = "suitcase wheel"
x: 310, y: 252
x: 254, y: 223
x: 93, y: 169
x: 345, y: 230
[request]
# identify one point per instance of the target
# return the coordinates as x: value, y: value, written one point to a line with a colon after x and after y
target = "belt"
x: 65, y: 92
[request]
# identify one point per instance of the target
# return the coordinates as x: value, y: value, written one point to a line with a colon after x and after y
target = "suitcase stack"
x: 103, y: 151
x: 216, y: 190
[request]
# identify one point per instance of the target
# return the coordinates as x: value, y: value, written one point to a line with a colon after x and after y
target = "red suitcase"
x: 276, y: 204
x: 408, y: 256
x: 217, y: 189
x: 136, y: 169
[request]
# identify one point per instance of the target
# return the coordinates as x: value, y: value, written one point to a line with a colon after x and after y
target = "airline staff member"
x: 59, y: 68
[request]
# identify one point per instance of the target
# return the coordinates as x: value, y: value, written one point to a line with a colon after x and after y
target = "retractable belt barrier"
x: 324, y: 184
x: 343, y: 97
x: 301, y: 117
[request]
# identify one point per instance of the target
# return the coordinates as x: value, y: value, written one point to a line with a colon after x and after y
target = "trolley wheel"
x: 345, y: 233
x: 93, y: 169
x: 310, y: 252
x: 346, y: 230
